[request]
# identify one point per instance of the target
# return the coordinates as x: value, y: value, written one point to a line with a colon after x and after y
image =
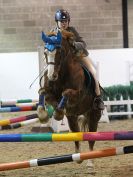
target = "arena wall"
x: 98, y: 21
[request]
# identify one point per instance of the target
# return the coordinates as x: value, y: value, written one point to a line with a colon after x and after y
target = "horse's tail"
x: 83, y: 123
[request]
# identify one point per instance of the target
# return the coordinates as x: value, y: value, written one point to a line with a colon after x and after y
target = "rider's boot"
x: 98, y: 103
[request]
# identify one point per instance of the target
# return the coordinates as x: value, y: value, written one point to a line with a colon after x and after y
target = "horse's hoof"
x: 90, y: 167
x: 89, y: 163
x: 58, y: 114
x: 91, y: 170
x: 42, y: 114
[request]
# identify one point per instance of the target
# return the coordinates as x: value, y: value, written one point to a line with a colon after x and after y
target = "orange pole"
x: 14, y: 165
x: 99, y: 153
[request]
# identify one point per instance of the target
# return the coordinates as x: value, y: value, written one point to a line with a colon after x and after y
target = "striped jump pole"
x: 79, y: 136
x: 18, y: 109
x: 14, y: 102
x: 19, y: 124
x: 49, y: 109
x: 5, y: 122
x: 20, y: 105
x: 67, y: 158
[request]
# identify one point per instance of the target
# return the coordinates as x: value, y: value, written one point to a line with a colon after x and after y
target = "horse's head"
x: 55, y: 52
x: 52, y: 43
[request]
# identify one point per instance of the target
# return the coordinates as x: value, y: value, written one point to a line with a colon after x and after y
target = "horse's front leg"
x: 72, y: 95
x: 69, y: 95
x: 59, y: 111
x: 45, y: 110
x: 42, y: 113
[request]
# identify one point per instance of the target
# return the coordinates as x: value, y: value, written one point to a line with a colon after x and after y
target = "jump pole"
x: 5, y: 122
x: 20, y: 105
x: 19, y: 124
x: 79, y: 136
x: 14, y: 102
x: 67, y: 158
x: 18, y: 109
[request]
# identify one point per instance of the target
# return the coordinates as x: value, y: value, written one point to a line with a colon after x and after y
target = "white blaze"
x: 51, y: 57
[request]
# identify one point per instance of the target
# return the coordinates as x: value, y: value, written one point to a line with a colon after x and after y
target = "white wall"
x: 18, y: 70
x: 113, y: 63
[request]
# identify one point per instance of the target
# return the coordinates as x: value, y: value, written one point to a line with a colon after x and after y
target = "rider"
x: 62, y: 19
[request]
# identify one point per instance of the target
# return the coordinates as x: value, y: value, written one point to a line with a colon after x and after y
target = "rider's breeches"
x: 88, y: 63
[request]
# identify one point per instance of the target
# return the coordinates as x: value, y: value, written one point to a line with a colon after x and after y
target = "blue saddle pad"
x: 88, y: 76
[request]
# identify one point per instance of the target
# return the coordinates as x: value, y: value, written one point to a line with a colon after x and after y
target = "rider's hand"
x: 78, y: 46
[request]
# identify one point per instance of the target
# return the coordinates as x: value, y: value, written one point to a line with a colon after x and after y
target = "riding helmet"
x: 62, y: 15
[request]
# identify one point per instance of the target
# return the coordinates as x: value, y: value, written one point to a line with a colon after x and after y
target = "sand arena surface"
x: 116, y: 166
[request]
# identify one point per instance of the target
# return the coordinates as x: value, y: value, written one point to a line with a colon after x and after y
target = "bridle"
x: 62, y: 51
x: 46, y: 57
x: 62, y: 54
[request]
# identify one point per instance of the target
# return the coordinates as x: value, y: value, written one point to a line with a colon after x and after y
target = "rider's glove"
x: 78, y: 45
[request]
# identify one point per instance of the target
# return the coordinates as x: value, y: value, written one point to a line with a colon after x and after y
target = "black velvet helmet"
x: 61, y: 15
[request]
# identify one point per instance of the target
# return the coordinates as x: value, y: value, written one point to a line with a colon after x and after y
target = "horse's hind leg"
x: 74, y: 127
x: 93, y: 124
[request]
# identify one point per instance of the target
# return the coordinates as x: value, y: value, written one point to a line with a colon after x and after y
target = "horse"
x: 65, y: 86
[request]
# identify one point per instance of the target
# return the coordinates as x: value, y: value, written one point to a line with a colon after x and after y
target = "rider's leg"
x: 98, y: 102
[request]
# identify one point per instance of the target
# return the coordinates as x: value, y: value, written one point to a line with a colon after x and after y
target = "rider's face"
x: 63, y: 24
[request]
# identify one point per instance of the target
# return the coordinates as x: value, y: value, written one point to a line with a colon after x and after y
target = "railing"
x: 107, y: 111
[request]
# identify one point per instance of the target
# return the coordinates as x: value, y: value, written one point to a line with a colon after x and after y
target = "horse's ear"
x: 54, y: 39
x: 44, y: 37
x: 51, y: 33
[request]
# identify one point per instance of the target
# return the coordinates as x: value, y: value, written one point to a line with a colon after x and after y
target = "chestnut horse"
x: 65, y: 86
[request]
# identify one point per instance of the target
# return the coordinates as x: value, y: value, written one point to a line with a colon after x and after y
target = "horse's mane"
x: 68, y: 36
x: 65, y: 34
